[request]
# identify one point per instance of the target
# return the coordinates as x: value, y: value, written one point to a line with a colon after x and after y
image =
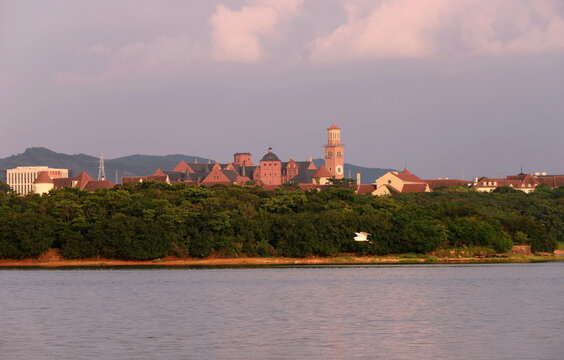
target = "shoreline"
x: 50, y: 260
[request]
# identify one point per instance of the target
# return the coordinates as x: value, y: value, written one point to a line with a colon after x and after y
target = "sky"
x: 447, y: 88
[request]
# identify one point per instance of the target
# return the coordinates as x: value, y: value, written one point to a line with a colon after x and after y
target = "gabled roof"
x: 175, y: 176
x: 63, y: 182
x: 131, y: 179
x: 333, y: 127
x: 43, y: 178
x: 158, y: 178
x: 159, y: 172
x: 82, y: 179
x: 405, y: 175
x: 407, y: 188
x: 182, y: 167
x: 304, y: 176
x: 231, y: 175
x: 365, y: 189
x: 322, y: 172
x: 434, y: 183
x: 98, y: 184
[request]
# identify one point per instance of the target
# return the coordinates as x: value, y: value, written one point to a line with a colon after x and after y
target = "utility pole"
x: 101, y: 169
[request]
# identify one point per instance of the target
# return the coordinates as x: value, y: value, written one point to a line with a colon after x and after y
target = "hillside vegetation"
x: 151, y: 220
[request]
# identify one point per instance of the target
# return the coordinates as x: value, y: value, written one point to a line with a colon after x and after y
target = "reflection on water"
x: 399, y: 312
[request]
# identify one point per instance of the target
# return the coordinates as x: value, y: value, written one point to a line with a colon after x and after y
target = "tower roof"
x: 43, y: 178
x: 333, y: 127
x: 270, y: 156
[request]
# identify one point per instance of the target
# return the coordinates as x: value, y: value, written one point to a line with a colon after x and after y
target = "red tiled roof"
x: 98, y: 184
x: 322, y: 172
x: 131, y: 179
x: 434, y: 183
x: 157, y: 178
x: 181, y: 167
x: 82, y: 180
x: 43, y: 178
x: 365, y: 189
x: 407, y: 188
x: 405, y: 175
x: 159, y: 172
x: 333, y: 127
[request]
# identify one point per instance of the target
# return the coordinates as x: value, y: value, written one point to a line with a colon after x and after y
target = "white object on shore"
x: 361, y: 236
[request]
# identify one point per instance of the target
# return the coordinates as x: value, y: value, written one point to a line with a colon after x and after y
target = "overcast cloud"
x: 438, y: 84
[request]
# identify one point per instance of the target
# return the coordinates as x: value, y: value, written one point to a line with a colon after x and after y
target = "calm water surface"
x: 398, y: 312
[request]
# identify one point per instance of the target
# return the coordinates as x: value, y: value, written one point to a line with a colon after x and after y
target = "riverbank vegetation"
x: 152, y: 220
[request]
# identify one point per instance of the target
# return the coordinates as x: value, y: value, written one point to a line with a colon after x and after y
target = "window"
x: 339, y: 154
x: 329, y: 155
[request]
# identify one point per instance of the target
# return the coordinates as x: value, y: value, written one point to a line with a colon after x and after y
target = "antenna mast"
x: 101, y: 170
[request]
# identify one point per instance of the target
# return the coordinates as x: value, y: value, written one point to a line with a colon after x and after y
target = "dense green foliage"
x: 150, y: 220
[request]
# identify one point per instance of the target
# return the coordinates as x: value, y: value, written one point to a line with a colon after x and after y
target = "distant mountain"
x: 133, y: 165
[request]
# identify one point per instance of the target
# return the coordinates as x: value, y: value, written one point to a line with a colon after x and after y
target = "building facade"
x: 334, y: 152
x: 21, y: 178
x: 271, y: 171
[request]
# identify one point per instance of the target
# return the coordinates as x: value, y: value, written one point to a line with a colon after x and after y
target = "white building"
x: 21, y: 178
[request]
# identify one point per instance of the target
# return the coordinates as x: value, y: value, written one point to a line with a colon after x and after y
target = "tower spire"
x: 101, y: 169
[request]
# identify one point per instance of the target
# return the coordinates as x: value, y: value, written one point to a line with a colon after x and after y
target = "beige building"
x: 21, y: 178
x: 401, y: 182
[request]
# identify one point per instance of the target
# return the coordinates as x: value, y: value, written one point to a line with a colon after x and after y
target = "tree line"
x: 151, y: 220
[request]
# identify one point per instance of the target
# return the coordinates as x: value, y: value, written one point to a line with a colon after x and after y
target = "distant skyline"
x: 438, y: 85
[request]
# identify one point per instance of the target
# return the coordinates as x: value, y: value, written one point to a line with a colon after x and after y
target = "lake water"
x: 377, y: 312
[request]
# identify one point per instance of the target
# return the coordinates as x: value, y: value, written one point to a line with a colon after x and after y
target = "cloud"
x: 237, y: 35
x: 422, y: 29
x: 164, y: 55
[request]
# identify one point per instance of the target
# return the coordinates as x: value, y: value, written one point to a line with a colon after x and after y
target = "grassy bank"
x: 53, y: 260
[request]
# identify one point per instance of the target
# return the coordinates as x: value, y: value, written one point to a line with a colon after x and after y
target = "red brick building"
x: 271, y: 171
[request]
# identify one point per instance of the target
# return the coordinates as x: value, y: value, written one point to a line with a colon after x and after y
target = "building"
x: 271, y: 171
x: 44, y: 183
x: 522, y: 182
x: 334, y: 152
x: 400, y: 182
x: 21, y: 179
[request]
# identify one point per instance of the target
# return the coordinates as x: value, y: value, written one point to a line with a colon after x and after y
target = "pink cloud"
x: 420, y: 29
x: 237, y: 35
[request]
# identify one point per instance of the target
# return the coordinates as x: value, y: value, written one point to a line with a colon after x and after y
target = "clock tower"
x: 334, y: 161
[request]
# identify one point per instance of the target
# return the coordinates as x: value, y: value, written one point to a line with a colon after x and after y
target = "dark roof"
x: 270, y: 156
x: 304, y: 176
x: 175, y: 176
x: 201, y: 167
x: 63, y: 182
x: 231, y: 175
